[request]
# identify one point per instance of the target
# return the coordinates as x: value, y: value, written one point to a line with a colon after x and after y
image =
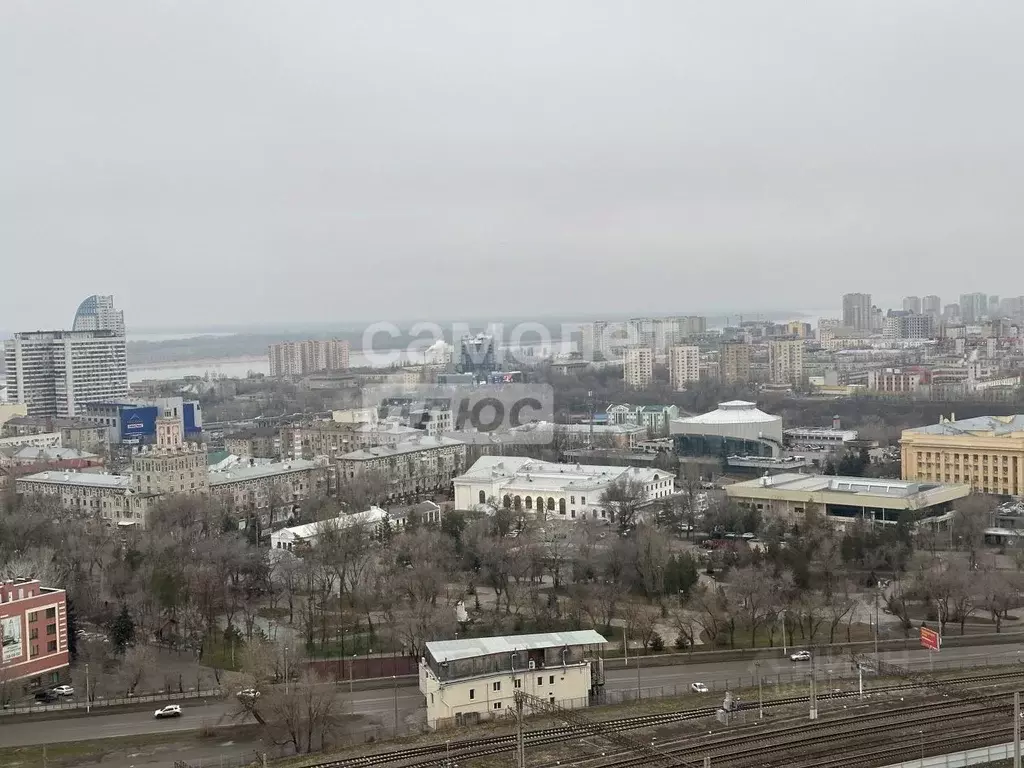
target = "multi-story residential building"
x: 98, y: 313
x: 857, y: 311
x: 735, y: 363
x: 34, y: 625
x: 469, y: 681
x: 912, y: 304
x: 10, y: 410
x: 57, y: 373
x: 638, y: 367
x: 906, y: 325
x: 261, y: 443
x: 298, y: 358
x: 786, y: 359
x: 170, y: 465
x: 973, y: 307
x: 272, y: 491
x: 421, y: 465
x: 986, y: 452
x: 898, y: 380
x: 318, y: 438
x: 478, y: 355
x: 563, y: 491
x: 683, y: 366
x: 931, y: 305
x: 73, y: 433
x: 654, y: 418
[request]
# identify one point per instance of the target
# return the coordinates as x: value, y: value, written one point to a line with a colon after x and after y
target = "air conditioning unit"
x: 533, y: 665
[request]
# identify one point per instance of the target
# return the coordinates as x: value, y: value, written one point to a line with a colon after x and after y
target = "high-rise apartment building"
x: 478, y: 356
x: 912, y: 304
x: 298, y: 358
x: 57, y: 373
x: 638, y: 367
x: 932, y: 305
x: 857, y: 311
x: 735, y: 362
x: 973, y: 307
x: 786, y: 360
x: 683, y: 365
x: 98, y: 313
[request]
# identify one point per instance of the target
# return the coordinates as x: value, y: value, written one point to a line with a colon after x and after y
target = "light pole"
x: 877, y: 590
x: 286, y: 670
x: 87, y: 702
x: 784, y: 648
x: 395, y: 678
x: 760, y: 699
x: 351, y: 664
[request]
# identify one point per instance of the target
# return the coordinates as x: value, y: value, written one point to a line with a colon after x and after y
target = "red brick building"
x: 34, y: 624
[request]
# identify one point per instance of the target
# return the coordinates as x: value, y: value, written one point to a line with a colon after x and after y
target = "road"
x: 380, y: 703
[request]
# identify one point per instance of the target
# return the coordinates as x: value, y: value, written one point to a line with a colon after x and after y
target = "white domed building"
x: 735, y: 428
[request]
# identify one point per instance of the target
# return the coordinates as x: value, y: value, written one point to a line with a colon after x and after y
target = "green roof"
x: 216, y: 457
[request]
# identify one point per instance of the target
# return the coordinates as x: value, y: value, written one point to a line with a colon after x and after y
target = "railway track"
x: 815, y: 742
x: 894, y: 753
x: 494, y: 745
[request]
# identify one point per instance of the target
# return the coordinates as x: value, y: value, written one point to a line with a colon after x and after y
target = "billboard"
x: 11, y: 626
x: 138, y: 422
x: 930, y: 639
x: 192, y: 417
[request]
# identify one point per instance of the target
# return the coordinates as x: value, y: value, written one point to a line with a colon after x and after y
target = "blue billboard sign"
x: 191, y: 419
x: 138, y: 423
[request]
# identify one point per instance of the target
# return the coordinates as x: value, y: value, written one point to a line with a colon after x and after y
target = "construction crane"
x: 523, y: 700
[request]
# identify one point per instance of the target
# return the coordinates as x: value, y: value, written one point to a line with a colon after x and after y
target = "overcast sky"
x: 254, y: 161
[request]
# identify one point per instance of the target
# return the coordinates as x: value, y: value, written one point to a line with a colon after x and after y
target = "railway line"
x: 428, y: 755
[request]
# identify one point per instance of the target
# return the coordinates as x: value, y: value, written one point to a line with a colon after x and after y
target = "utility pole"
x: 520, y: 739
x: 638, y: 678
x: 876, y: 629
x: 814, y: 689
x: 625, y: 648
x: 87, y: 702
x: 395, y: 678
x: 860, y: 680
x: 784, y: 648
x: 760, y: 699
x: 1016, y: 729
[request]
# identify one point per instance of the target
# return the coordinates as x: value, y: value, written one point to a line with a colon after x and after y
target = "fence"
x: 364, y: 667
x: 979, y: 756
x: 155, y: 698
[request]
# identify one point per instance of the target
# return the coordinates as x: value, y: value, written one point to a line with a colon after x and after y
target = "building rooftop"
x: 732, y: 412
x: 795, y: 482
x: 980, y: 426
x: 408, y: 446
x: 33, y: 453
x: 245, y: 471
x: 89, y: 479
x: 535, y: 475
x: 472, y: 647
x: 370, y: 516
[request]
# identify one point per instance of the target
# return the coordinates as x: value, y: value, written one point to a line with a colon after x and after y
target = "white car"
x: 171, y: 710
x: 248, y: 693
x: 800, y: 656
x: 64, y: 690
x: 698, y: 688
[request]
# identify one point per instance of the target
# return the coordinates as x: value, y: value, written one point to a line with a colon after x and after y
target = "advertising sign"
x: 930, y: 639
x: 11, y: 626
x: 138, y: 423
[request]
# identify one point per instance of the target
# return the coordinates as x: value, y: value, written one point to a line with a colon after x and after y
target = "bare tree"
x: 972, y: 516
x: 623, y: 499
x: 137, y: 660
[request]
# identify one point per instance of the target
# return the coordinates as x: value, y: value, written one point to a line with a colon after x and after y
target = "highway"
x: 379, y: 704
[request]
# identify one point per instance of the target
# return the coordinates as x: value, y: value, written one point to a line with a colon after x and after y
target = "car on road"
x: 47, y: 697
x: 248, y: 693
x: 64, y: 690
x: 800, y: 656
x: 171, y: 710
x: 698, y: 688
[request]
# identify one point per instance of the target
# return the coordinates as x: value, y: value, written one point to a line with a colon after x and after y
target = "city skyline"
x: 335, y: 160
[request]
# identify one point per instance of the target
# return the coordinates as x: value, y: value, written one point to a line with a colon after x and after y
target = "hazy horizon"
x: 249, y: 161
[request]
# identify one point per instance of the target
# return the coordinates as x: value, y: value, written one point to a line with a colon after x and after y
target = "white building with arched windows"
x: 562, y: 491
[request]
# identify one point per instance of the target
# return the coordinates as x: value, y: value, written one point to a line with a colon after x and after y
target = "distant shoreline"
x: 200, y: 361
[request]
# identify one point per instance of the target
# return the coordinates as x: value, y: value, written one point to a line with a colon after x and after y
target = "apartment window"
x: 583, y: 499
x: 496, y: 686
x: 572, y: 499
x: 33, y: 633
x: 540, y: 680
x: 51, y: 629
x: 518, y: 683
x: 33, y: 616
x: 51, y: 613
x: 51, y: 647
x: 551, y: 680
x: 35, y: 651
x: 497, y: 705
x: 472, y: 693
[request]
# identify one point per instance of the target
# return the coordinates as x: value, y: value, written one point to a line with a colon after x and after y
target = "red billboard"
x: 930, y: 639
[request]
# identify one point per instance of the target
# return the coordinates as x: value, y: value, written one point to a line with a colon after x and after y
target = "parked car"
x: 698, y: 688
x: 800, y: 656
x: 248, y: 693
x: 46, y: 697
x: 171, y: 710
x: 64, y: 690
